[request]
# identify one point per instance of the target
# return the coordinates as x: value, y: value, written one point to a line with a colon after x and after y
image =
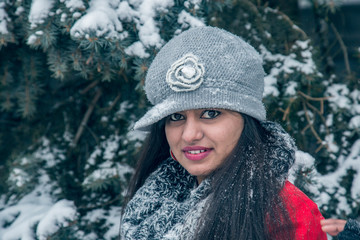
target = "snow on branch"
x: 102, y: 19
x: 186, y: 20
x: 332, y: 182
x: 287, y: 64
x: 40, y: 9
x: 73, y: 5
x: 106, y: 19
x: 4, y: 18
x: 36, y: 211
x: 146, y: 24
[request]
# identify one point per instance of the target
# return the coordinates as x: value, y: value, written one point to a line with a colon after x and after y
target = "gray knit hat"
x: 204, y: 67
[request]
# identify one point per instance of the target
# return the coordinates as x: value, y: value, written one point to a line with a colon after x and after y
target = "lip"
x: 197, y: 156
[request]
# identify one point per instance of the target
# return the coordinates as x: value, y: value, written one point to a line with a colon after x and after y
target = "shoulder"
x: 296, y: 198
x: 351, y: 230
x: 298, y: 203
x: 303, y: 212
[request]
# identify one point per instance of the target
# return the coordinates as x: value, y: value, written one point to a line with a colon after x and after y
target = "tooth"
x: 196, y: 151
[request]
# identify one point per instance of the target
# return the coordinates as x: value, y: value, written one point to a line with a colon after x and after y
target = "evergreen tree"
x: 339, y: 163
x: 71, y: 78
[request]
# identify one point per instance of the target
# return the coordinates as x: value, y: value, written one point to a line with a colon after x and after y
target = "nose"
x: 192, y: 131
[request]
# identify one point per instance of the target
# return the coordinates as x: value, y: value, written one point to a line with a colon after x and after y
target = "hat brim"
x: 196, y: 100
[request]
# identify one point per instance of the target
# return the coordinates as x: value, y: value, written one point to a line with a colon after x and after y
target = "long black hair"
x: 245, y: 201
x: 154, y: 150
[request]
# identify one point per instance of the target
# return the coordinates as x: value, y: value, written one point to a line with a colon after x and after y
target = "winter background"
x: 71, y: 78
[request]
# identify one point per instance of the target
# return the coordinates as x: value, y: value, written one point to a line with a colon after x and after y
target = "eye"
x: 176, y: 117
x: 210, y: 114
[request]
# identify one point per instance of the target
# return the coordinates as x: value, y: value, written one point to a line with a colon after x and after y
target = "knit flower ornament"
x: 186, y: 74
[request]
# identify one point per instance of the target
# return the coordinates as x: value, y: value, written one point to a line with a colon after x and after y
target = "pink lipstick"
x: 196, y: 153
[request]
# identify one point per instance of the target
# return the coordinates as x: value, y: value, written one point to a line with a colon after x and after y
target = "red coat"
x: 304, y: 214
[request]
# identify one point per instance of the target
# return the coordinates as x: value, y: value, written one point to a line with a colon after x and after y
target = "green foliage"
x: 70, y: 93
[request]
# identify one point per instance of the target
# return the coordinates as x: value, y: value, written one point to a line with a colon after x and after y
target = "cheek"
x: 231, y: 131
x: 170, y: 134
x: 230, y: 136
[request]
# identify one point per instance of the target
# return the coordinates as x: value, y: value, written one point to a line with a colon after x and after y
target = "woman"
x: 212, y: 167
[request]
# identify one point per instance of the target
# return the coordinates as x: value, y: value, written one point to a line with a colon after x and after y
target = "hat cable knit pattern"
x: 204, y: 67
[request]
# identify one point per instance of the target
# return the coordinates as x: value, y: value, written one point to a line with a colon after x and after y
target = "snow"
x: 32, y: 39
x: 76, y: 15
x: 291, y: 88
x: 48, y: 154
x: 72, y: 5
x: 186, y: 20
x: 290, y: 63
x: 63, y: 17
x: 92, y: 159
x: 330, y: 120
x: 136, y: 135
x: 101, y: 18
x: 40, y: 210
x: 58, y: 213
x: 355, y: 122
x: 302, y: 160
x: 19, y: 11
x: 148, y: 29
x: 35, y: 210
x: 354, y: 161
x: 39, y: 32
x: 40, y: 9
x: 125, y: 12
x: 330, y: 142
x: 112, y: 220
x: 332, y: 184
x: 18, y: 177
x: 287, y: 64
x: 108, y: 150
x: 355, y: 96
x: 124, y: 108
x: 339, y: 96
x: 4, y: 18
x: 268, y: 35
x: 137, y: 49
x: 270, y: 82
x: 112, y: 145
x: 104, y: 19
x: 196, y: 4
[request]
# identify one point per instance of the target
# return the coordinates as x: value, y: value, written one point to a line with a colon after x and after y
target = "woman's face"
x: 201, y: 139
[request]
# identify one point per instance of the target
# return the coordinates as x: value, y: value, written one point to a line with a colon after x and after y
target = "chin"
x: 201, y: 174
x: 201, y: 170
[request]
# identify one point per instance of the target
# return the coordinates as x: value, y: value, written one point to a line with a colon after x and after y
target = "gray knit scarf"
x: 169, y: 204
